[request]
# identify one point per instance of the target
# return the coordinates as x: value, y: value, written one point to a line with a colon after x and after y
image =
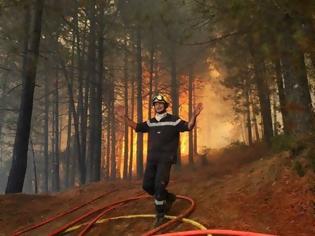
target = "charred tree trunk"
x: 3, y: 101
x: 151, y: 78
x: 81, y: 160
x: 34, y: 168
x: 108, y: 141
x: 68, y: 155
x: 139, y: 104
x: 131, y: 130
x: 99, y: 100
x: 113, y: 133
x: 298, y: 101
x: 56, y: 182
x: 174, y: 82
x: 19, y: 160
x: 263, y: 90
x: 275, y: 110
x: 281, y: 94
x: 190, y: 104
x: 195, y: 130
x: 174, y: 91
x: 248, y: 113
x: 53, y: 150
x: 151, y: 81
x: 46, y: 136
x: 254, y: 114
x: 126, y: 133
x: 156, y: 74
x: 92, y: 81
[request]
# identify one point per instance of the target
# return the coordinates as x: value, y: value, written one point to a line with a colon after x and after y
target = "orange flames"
x: 215, y: 125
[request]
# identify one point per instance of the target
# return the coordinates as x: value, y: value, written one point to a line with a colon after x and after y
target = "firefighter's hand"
x: 122, y: 118
x: 125, y: 119
x: 198, y: 109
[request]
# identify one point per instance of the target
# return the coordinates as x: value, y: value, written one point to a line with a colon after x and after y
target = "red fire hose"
x: 215, y: 232
x: 105, y: 209
x: 52, y: 218
x: 171, y: 222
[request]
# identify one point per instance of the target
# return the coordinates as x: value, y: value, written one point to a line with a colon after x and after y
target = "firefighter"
x: 163, y: 137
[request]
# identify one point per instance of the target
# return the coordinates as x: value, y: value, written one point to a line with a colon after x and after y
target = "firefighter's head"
x: 160, y: 103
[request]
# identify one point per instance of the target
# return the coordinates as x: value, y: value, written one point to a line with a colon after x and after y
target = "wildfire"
x: 214, y: 126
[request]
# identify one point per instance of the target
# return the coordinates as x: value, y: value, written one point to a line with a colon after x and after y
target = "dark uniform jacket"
x: 163, y: 137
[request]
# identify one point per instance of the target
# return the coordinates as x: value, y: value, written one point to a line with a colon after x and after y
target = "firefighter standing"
x: 163, y: 130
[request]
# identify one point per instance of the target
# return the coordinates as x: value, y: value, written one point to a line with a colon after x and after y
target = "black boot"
x: 160, y: 213
x: 171, y: 198
x: 159, y: 220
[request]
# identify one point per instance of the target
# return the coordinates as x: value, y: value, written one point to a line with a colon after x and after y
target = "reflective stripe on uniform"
x: 163, y: 123
x: 159, y: 203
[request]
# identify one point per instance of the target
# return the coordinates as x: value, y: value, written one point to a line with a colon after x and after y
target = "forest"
x: 70, y: 68
x: 81, y: 85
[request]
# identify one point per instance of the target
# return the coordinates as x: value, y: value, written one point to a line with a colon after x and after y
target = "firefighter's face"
x: 159, y: 107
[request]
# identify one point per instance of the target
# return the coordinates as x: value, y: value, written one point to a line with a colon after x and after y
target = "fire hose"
x: 71, y: 226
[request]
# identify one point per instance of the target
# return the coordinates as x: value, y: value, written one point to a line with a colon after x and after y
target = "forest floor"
x: 247, y: 190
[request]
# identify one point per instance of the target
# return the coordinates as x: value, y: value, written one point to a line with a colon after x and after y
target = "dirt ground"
x: 265, y: 195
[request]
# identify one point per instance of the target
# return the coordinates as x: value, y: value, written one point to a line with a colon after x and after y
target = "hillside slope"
x: 265, y: 195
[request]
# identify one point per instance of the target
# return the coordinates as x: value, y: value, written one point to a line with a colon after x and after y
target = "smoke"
x: 216, y: 125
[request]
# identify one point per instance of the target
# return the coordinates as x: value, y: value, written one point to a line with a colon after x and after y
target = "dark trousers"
x: 156, y: 178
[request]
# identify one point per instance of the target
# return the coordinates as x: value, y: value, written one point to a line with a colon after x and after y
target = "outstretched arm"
x: 192, y: 122
x: 130, y: 122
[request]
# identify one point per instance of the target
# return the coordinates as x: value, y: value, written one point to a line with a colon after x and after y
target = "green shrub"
x: 283, y: 142
x: 311, y: 159
x: 297, y: 166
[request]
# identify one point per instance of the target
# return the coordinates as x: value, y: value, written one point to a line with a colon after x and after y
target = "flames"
x: 215, y: 125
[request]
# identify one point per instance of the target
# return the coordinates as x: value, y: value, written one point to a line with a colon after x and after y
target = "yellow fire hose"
x: 101, y: 221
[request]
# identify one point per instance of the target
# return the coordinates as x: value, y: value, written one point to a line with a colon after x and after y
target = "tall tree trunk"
x: 139, y: 104
x: 81, y: 160
x: 34, y: 168
x: 131, y: 130
x: 195, y: 130
x: 308, y: 28
x: 26, y: 34
x: 254, y: 114
x: 69, y: 131
x: 174, y: 82
x: 190, y: 104
x: 28, y: 182
x: 73, y: 169
x: 275, y: 110
x: 126, y: 133
x: 248, y: 113
x: 19, y: 159
x: 263, y: 90
x: 53, y: 149
x: 68, y: 153
x: 98, y: 108
x: 151, y: 81
x: 92, y: 80
x: 156, y: 74
x: 113, y: 133
x: 151, y: 78
x: 3, y: 102
x: 82, y: 103
x: 84, y: 119
x: 298, y: 101
x: 174, y: 90
x: 46, y: 135
x: 108, y: 139
x: 282, y: 98
x: 56, y: 178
